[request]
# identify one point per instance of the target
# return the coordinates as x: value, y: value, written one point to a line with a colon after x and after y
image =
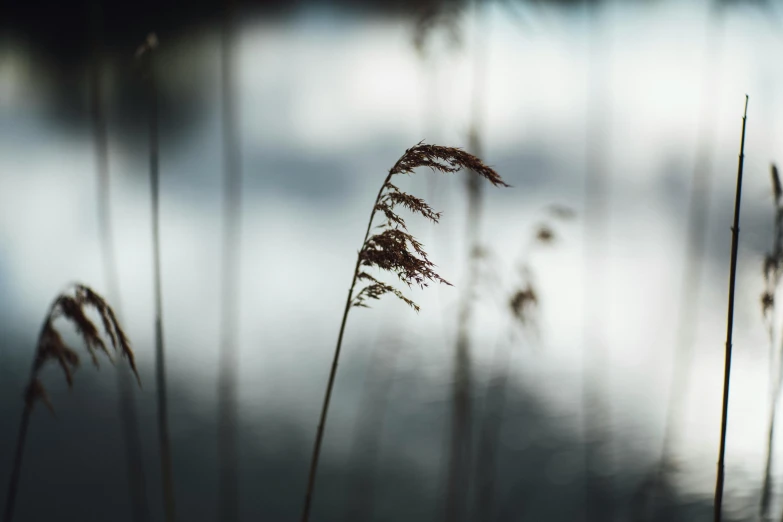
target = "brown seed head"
x: 545, y: 234
x: 434, y: 13
x: 51, y: 346
x: 523, y: 302
x: 767, y: 302
x: 394, y: 249
x: 444, y: 159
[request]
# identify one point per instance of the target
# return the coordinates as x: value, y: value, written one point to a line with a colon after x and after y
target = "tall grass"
x: 519, y: 307
x: 147, y: 52
x: 730, y: 326
x: 461, y: 443
x: 596, y: 409
x: 73, y: 307
x: 773, y: 262
x: 458, y: 473
x: 134, y: 462
x: 228, y: 492
x: 396, y: 251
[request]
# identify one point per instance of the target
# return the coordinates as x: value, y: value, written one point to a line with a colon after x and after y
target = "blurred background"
x: 580, y: 349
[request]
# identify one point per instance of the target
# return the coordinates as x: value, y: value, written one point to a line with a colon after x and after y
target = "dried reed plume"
x: 51, y: 347
x: 730, y: 326
x: 773, y: 269
x: 146, y: 53
x: 520, y: 305
x: 394, y: 250
x: 433, y: 14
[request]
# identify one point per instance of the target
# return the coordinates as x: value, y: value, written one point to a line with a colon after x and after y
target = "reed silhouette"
x: 72, y: 306
x: 394, y: 250
x: 772, y: 269
x: 134, y: 463
x: 730, y: 326
x: 146, y: 53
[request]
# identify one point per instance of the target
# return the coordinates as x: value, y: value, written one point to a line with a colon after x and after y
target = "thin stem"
x: 494, y: 404
x: 766, y: 490
x: 16, y: 470
x: 730, y: 325
x: 228, y: 493
x: 333, y: 372
x: 134, y: 462
x: 596, y: 414
x: 458, y: 478
x: 773, y: 280
x: 160, y: 363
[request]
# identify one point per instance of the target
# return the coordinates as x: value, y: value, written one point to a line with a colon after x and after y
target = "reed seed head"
x: 771, y: 266
x: 545, y: 234
x: 51, y: 347
x: 433, y: 14
x: 522, y: 303
x: 767, y: 302
x: 393, y: 249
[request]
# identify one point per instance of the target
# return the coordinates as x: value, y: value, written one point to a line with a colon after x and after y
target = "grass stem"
x: 730, y: 326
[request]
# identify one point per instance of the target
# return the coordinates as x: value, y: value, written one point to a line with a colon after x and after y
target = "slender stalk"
x: 228, y: 493
x: 50, y: 346
x: 730, y: 325
x: 16, y: 469
x: 518, y: 307
x: 596, y: 414
x: 396, y: 251
x: 458, y: 477
x: 772, y: 278
x: 134, y: 462
x: 766, y: 490
x: 494, y: 404
x: 333, y: 371
x: 21, y: 438
x: 160, y: 361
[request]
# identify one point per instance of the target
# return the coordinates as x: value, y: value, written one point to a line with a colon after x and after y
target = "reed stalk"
x: 393, y: 250
x: 596, y: 410
x: 519, y: 308
x: 461, y: 442
x: 228, y: 492
x: 51, y: 347
x: 134, y: 461
x: 773, y: 263
x: 147, y: 52
x: 730, y: 326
